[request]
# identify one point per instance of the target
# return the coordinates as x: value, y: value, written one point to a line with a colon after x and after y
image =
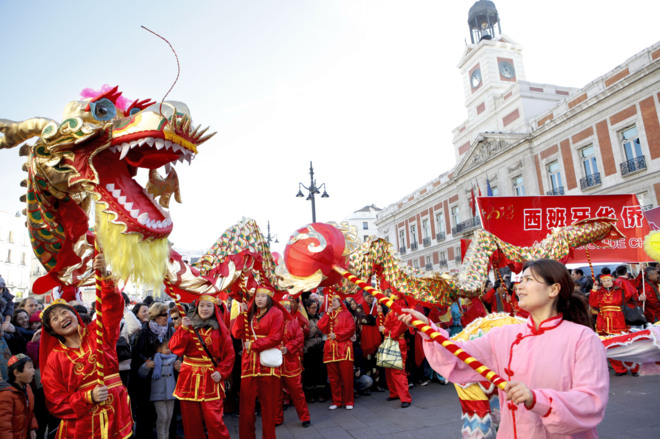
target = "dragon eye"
x: 103, y: 109
x: 134, y: 111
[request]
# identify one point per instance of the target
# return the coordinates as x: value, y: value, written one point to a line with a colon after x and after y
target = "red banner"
x: 524, y: 221
x: 653, y: 217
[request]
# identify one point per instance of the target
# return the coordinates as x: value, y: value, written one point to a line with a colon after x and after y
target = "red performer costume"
x: 498, y: 300
x: 652, y: 291
x: 200, y: 396
x: 370, y: 336
x: 292, y: 369
x: 264, y: 329
x: 608, y: 300
x: 339, y: 325
x: 473, y: 310
x: 397, y: 380
x: 69, y: 375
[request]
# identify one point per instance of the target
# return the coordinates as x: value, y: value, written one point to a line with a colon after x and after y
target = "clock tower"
x: 491, y: 63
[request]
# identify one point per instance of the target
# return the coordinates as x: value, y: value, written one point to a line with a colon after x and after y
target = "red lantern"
x: 316, y: 246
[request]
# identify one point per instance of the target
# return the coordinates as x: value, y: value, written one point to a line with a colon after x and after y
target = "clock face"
x: 507, y: 70
x: 475, y: 79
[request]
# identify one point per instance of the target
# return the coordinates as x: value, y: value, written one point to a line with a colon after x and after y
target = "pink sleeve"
x: 583, y: 406
x: 449, y: 366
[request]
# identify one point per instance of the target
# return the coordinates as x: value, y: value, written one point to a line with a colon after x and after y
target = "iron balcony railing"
x: 590, y: 181
x: 647, y: 207
x: 440, y: 236
x: 556, y: 191
x: 429, y: 267
x: 402, y: 250
x: 457, y: 259
x: 413, y: 246
x: 467, y: 225
x: 443, y: 262
x: 636, y: 164
x: 426, y: 242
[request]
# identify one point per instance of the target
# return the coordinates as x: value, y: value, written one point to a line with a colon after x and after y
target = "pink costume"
x: 563, y: 363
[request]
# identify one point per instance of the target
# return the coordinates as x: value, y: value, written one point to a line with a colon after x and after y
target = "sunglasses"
x: 176, y: 318
x: 163, y: 315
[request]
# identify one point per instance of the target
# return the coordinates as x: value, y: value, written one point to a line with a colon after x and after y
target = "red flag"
x: 473, y: 203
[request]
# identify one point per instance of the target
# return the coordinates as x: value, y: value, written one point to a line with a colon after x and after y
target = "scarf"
x: 160, y: 331
x: 161, y: 360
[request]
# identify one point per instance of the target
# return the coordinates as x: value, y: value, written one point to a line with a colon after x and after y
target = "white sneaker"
x: 349, y: 407
x: 333, y: 407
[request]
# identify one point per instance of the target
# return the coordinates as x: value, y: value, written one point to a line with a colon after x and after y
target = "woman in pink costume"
x: 555, y: 364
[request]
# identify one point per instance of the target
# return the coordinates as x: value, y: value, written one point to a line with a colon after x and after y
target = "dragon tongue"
x: 164, y: 187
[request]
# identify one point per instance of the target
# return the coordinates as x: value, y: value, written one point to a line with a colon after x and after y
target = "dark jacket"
x: 16, y: 412
x: 144, y: 348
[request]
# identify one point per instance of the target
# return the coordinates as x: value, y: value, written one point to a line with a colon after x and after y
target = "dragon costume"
x: 81, y: 172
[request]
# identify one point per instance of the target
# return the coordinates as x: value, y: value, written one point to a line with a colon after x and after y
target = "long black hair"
x: 571, y: 304
x: 253, y: 308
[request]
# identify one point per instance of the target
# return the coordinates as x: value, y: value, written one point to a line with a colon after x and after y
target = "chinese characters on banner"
x: 523, y: 221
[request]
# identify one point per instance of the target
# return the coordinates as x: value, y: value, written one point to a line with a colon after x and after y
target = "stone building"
x: 525, y: 138
x: 364, y: 220
x: 16, y: 257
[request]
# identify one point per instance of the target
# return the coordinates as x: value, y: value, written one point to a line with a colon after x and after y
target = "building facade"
x: 524, y: 138
x: 16, y: 257
x: 364, y: 221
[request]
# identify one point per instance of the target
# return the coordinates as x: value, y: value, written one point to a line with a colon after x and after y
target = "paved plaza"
x: 435, y: 413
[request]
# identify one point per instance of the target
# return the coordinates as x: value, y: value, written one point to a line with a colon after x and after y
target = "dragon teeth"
x: 110, y: 187
x: 125, y: 147
x: 150, y: 141
x: 135, y: 213
x: 143, y: 218
x: 160, y: 143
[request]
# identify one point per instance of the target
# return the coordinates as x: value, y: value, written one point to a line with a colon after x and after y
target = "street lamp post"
x: 269, y: 238
x: 313, y: 190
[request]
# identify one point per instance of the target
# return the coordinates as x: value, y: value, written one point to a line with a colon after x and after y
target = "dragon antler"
x: 16, y: 133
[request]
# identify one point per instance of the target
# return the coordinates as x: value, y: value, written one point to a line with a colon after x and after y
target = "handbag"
x: 389, y: 354
x: 633, y: 316
x: 269, y: 357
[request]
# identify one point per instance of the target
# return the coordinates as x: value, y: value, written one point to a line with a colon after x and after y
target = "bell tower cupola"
x: 482, y: 19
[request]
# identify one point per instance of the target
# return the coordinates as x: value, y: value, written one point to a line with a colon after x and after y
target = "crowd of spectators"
x: 149, y: 369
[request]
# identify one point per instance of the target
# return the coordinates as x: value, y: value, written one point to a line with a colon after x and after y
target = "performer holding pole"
x: 262, y: 326
x: 70, y: 371
x: 208, y: 357
x: 558, y: 381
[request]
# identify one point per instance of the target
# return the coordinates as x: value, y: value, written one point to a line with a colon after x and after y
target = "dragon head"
x: 93, y: 156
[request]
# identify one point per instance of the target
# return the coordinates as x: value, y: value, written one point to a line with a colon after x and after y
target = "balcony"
x: 440, y: 236
x: 402, y: 250
x: 647, y: 207
x: 413, y: 246
x: 429, y: 267
x: 457, y: 259
x: 559, y: 190
x: 466, y: 226
x: 443, y: 263
x: 590, y: 181
x: 634, y: 165
x: 426, y: 242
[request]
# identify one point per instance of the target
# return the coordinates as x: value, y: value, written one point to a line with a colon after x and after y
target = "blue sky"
x: 367, y: 90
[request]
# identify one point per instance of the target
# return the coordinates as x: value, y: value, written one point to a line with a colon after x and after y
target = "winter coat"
x: 16, y: 412
x: 162, y: 388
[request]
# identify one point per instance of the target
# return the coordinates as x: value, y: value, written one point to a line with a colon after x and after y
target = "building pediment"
x: 486, y: 147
